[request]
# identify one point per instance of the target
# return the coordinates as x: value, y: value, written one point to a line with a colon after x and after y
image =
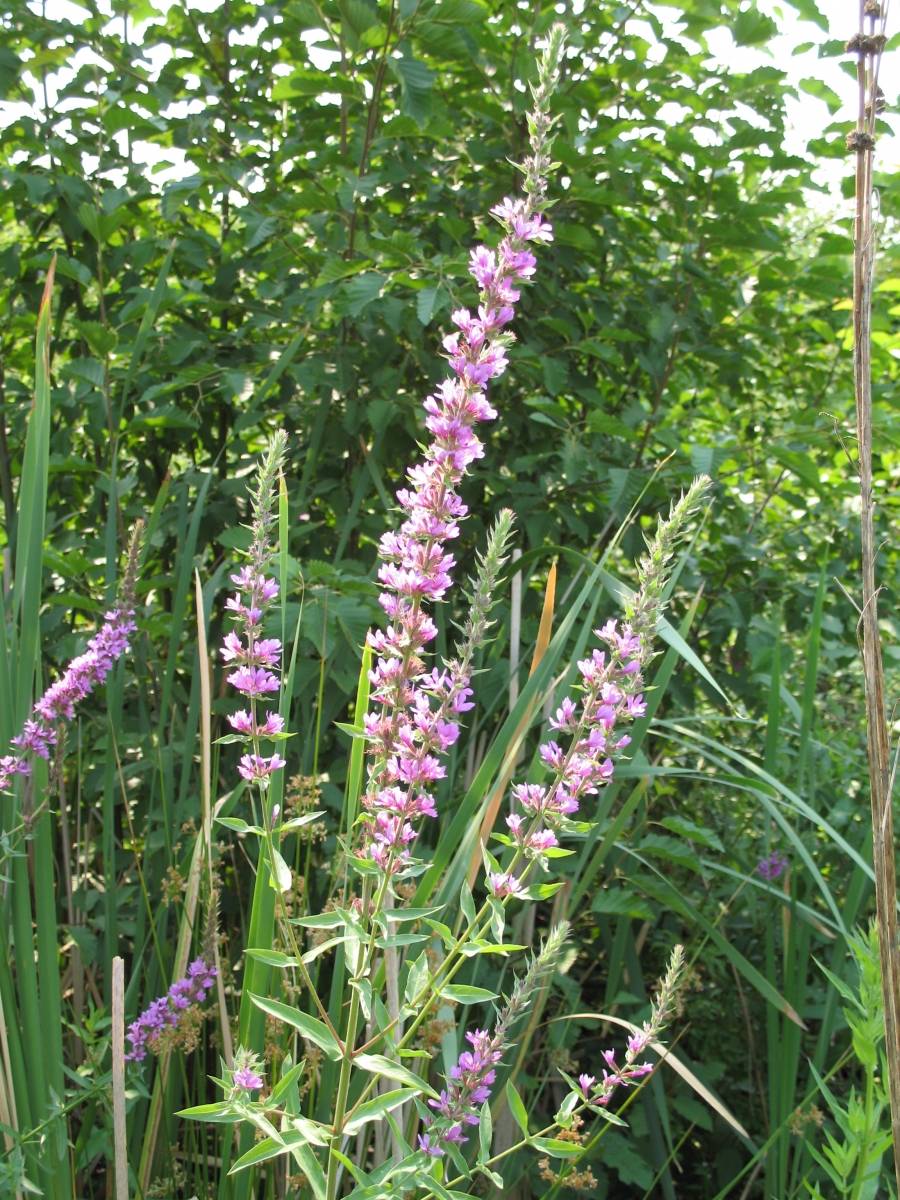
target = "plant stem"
x: 868, y: 47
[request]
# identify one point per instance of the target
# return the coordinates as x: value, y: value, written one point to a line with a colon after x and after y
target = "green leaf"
x: 809, y: 11
x: 415, y: 981
x: 687, y: 829
x: 843, y: 989
x: 415, y: 86
x: 555, y: 1148
x: 219, y: 1113
x: 623, y: 902
x: 308, y: 1026
x: 273, y: 958
x: 261, y: 1152
x: 377, y: 1064
x: 101, y: 340
x: 299, y: 822
x: 340, y: 268
x: 240, y: 826
x: 374, y: 1110
x: 429, y: 302
x: 260, y: 231
x: 282, y: 879
x: 517, y: 1108
x: 485, y: 1133
x: 478, y: 947
x: 286, y: 1082
x: 323, y: 948
x: 467, y: 904
x: 815, y: 87
x: 465, y: 994
x: 328, y: 920
x: 415, y: 914
x: 361, y: 291
x: 396, y: 940
x: 309, y: 1164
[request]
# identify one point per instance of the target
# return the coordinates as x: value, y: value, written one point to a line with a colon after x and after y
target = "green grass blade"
x: 789, y: 798
x: 810, y: 678
x: 48, y: 973
x: 773, y: 721
x: 159, y: 504
x: 358, y: 748
x: 31, y: 517
x: 668, y: 895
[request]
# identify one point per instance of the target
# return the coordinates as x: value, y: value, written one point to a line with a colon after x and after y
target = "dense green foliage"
x: 690, y: 316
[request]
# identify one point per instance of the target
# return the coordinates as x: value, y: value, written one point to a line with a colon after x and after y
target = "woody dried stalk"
x: 868, y: 44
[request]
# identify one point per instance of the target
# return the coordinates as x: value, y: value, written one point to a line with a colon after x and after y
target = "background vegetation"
x: 691, y: 316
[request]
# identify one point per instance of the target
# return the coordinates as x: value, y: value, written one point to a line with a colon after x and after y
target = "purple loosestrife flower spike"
x: 611, y: 683
x: 471, y: 1080
x: 83, y: 674
x: 245, y: 649
x: 416, y: 712
x: 599, y: 1093
x: 167, y: 1014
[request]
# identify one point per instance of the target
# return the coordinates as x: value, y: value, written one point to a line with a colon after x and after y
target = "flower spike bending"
x: 83, y: 674
x: 470, y: 1081
x: 611, y: 682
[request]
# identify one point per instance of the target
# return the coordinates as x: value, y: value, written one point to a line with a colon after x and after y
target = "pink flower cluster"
x: 167, y: 1013
x: 84, y: 673
x: 251, y: 657
x: 247, y: 1079
x: 467, y: 1089
x: 599, y: 1094
x: 416, y: 715
x: 610, y: 683
x: 773, y: 867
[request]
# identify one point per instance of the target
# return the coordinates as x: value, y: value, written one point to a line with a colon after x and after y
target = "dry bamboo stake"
x: 118, y: 1076
x: 868, y: 45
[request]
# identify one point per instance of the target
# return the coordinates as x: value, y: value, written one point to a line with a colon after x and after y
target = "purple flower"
x: 252, y: 654
x: 242, y: 722
x: 247, y: 1079
x: 468, y: 1087
x: 255, y: 768
x: 253, y: 681
x: 416, y: 710
x: 167, y: 1013
x: 586, y: 1082
x: 773, y: 867
x: 503, y: 885
x: 425, y: 1144
x: 36, y: 738
x: 83, y: 674
x: 583, y: 766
